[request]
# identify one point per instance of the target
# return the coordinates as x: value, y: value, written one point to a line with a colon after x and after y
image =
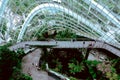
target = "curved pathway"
x: 30, y: 66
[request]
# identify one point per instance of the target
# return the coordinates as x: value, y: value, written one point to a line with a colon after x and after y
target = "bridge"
x: 67, y: 44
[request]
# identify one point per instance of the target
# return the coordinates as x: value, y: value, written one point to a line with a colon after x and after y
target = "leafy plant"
x: 58, y: 67
x: 108, y: 69
x: 66, y: 34
x: 73, y: 78
x: 92, y: 68
x: 74, y: 68
x: 112, y: 76
x: 92, y: 63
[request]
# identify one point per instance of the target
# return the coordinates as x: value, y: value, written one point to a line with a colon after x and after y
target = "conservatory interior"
x: 59, y: 40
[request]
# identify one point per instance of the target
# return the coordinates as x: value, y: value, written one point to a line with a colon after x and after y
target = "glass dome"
x: 22, y: 20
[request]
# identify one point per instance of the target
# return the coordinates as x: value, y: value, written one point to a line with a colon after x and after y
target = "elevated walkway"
x: 67, y: 44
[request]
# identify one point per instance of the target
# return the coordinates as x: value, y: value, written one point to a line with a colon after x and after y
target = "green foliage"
x: 24, y: 77
x: 109, y: 69
x: 17, y: 75
x: 3, y: 27
x: 58, y: 67
x: 92, y: 66
x: 8, y: 59
x: 115, y: 61
x: 112, y: 76
x: 74, y: 68
x: 92, y: 63
x: 43, y: 65
x: 40, y: 33
x: 21, y: 5
x: 72, y: 63
x: 92, y: 72
x: 9, y: 44
x: 10, y: 63
x: 73, y: 78
x: 66, y: 34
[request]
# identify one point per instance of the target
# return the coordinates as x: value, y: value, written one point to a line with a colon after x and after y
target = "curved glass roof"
x: 22, y: 20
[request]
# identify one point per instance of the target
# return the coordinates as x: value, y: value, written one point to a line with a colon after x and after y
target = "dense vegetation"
x: 10, y: 65
x: 74, y: 64
x: 70, y: 62
x: 62, y: 34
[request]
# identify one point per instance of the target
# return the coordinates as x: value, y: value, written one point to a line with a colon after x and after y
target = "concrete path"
x: 30, y: 66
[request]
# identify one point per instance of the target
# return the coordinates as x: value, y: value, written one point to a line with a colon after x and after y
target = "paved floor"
x: 30, y: 66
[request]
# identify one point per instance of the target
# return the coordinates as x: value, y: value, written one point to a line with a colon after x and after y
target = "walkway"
x: 68, y: 44
x: 30, y: 66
